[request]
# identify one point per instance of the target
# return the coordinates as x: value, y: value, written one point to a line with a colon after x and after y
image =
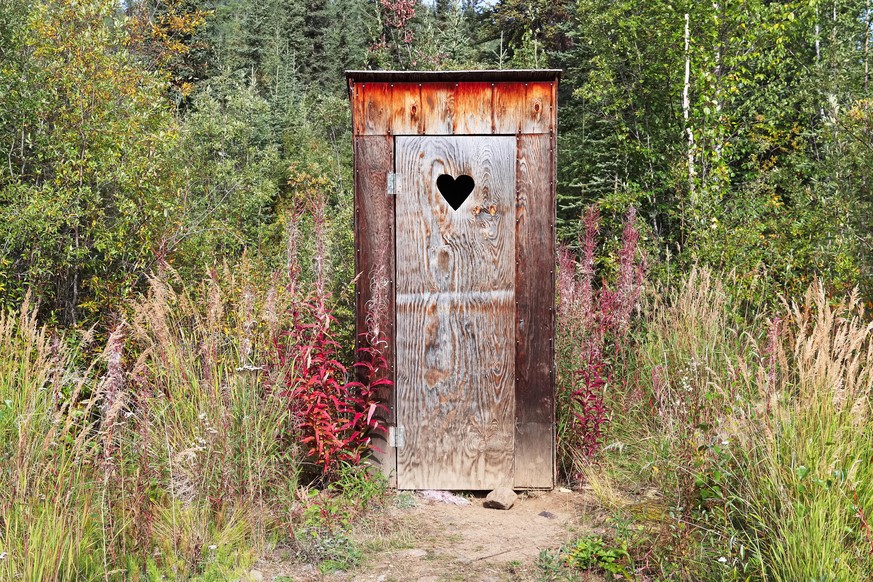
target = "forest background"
x: 188, y: 132
x: 177, y: 281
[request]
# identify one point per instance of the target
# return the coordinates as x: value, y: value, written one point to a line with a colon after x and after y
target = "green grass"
x: 743, y: 448
x: 166, y: 456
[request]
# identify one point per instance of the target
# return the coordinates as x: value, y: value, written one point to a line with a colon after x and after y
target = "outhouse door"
x: 455, y: 212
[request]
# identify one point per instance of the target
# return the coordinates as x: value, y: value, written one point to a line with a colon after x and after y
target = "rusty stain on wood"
x: 374, y: 265
x: 453, y: 108
x: 406, y: 109
x: 455, y: 306
x: 535, y: 254
x: 508, y: 107
x: 376, y: 108
x: 438, y: 103
x: 538, y: 108
x: 472, y: 109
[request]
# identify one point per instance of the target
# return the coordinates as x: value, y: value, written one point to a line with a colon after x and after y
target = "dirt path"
x: 440, y: 542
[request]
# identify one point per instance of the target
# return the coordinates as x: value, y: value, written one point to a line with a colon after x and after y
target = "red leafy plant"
x: 335, y: 417
x: 594, y: 325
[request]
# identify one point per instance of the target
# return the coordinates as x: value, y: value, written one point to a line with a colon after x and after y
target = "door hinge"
x: 396, y: 437
x: 392, y: 183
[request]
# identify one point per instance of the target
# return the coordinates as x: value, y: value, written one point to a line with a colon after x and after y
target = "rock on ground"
x: 500, y: 498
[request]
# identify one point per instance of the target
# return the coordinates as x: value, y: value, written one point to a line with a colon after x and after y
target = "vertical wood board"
x: 406, y: 109
x: 373, y: 113
x: 539, y: 110
x: 455, y: 308
x: 464, y: 108
x: 535, y: 291
x: 473, y: 113
x: 374, y: 266
x: 438, y: 108
x: 508, y: 107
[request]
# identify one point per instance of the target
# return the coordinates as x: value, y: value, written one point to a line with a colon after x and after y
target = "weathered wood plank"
x: 539, y: 112
x: 373, y: 108
x: 356, y: 99
x: 535, y: 292
x: 534, y: 456
x: 374, y: 266
x: 455, y: 308
x: 472, y: 109
x: 465, y: 108
x: 509, y: 109
x: 438, y: 107
x: 406, y: 116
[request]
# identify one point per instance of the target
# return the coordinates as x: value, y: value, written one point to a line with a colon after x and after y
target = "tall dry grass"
x: 750, y: 435
x: 809, y: 486
x: 168, y: 456
x: 201, y: 454
x: 50, y: 526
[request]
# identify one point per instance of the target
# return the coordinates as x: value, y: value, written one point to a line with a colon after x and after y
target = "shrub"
x: 334, y: 416
x: 594, y: 325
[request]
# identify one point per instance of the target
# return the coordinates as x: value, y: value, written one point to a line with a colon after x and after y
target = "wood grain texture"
x: 535, y: 292
x: 539, y: 109
x: 509, y: 109
x: 406, y: 109
x: 534, y: 456
x: 473, y: 113
x: 374, y: 267
x: 464, y: 108
x: 356, y: 96
x: 455, y: 308
x: 375, y: 107
x: 438, y: 108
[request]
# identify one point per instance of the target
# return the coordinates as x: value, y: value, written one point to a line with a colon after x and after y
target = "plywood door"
x: 455, y: 314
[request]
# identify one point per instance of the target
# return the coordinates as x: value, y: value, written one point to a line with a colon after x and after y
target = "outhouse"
x: 455, y: 260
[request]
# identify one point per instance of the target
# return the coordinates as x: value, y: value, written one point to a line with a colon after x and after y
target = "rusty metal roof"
x: 492, y: 75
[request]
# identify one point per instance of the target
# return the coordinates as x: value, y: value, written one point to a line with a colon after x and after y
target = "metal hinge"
x: 392, y: 184
x: 396, y: 437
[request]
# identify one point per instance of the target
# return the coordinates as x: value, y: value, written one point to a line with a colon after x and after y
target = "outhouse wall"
x: 510, y: 103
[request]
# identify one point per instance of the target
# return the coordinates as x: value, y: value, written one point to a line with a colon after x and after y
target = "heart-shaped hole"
x: 455, y: 190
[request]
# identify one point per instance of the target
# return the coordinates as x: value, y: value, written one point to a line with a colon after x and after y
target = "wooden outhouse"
x: 455, y: 257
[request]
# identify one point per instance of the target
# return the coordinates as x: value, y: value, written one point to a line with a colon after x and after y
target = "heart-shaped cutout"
x: 455, y: 190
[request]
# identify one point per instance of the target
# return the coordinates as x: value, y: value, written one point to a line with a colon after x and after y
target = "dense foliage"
x: 186, y: 131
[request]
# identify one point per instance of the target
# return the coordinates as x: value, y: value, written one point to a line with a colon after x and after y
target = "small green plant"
x: 327, y: 516
x: 550, y: 567
x: 405, y: 500
x: 593, y: 553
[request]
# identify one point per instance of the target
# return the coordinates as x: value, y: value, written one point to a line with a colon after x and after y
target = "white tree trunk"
x: 686, y: 107
x: 866, y: 46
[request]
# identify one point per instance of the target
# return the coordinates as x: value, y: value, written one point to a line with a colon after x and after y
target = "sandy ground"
x: 436, y: 541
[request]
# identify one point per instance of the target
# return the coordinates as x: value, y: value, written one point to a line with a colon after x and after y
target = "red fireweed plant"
x: 594, y: 325
x: 336, y: 417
